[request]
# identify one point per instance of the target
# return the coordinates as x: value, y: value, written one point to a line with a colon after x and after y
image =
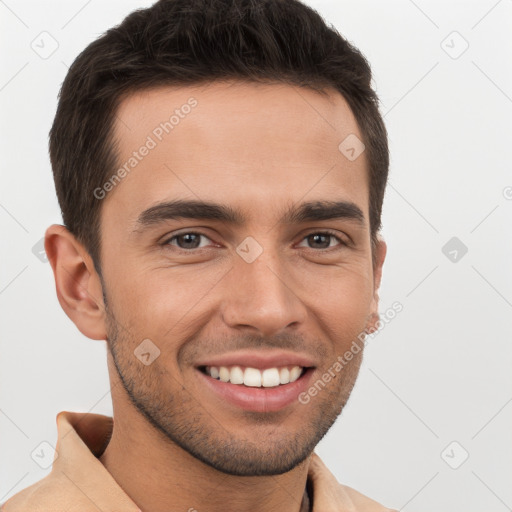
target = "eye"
x: 191, y: 240
x: 323, y: 238
x: 187, y: 241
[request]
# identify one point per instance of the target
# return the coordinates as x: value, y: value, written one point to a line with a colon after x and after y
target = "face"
x: 237, y: 243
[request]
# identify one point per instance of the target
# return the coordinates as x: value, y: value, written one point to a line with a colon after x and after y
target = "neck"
x: 156, y: 473
x: 165, y: 474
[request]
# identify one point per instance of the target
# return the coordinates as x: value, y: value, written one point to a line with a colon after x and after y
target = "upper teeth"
x: 253, y: 377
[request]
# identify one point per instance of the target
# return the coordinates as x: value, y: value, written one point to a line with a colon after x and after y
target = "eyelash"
x: 326, y: 232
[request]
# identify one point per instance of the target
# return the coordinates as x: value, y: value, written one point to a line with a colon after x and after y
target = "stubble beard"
x: 180, y: 419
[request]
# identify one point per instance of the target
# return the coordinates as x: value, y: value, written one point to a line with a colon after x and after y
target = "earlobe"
x: 77, y: 283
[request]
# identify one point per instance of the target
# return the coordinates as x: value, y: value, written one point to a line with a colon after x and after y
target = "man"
x: 220, y: 166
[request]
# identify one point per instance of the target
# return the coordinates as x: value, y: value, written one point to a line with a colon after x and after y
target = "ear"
x: 379, y: 256
x: 77, y: 283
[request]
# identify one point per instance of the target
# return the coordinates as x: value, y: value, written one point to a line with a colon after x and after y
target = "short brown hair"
x: 184, y: 42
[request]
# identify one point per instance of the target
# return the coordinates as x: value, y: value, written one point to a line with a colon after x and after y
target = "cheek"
x: 341, y: 299
x: 160, y: 302
x: 346, y: 282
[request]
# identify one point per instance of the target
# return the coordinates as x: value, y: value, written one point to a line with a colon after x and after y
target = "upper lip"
x: 259, y: 359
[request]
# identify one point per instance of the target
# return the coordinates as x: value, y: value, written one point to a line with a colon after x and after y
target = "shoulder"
x: 329, y: 495
x: 27, y: 498
x: 50, y: 493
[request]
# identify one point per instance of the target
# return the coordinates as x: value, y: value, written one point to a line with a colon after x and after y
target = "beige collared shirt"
x: 79, y: 482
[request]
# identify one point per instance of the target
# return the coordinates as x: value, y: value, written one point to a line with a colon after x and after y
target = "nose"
x: 260, y: 296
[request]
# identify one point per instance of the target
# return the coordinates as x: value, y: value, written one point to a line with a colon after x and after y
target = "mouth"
x: 263, y: 390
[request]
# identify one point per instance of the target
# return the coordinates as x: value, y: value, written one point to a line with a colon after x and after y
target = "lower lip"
x: 258, y: 399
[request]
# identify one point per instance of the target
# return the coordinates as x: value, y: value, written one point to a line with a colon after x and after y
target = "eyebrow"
x: 204, y: 210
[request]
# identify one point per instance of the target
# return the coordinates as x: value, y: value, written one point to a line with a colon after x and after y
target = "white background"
x: 439, y: 372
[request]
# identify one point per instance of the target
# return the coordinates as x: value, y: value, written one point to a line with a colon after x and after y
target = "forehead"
x: 254, y: 146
